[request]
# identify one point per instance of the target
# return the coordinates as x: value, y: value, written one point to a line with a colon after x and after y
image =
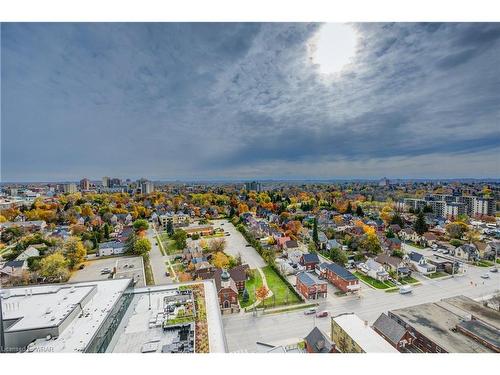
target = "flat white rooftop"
x: 46, y: 306
x: 363, y: 334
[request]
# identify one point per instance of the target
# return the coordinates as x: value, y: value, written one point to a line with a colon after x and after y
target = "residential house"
x: 111, y: 248
x: 281, y: 242
x: 240, y: 276
x: 14, y: 268
x: 30, y: 252
x: 392, y: 263
x: 311, y: 286
x: 32, y: 226
x: 340, y: 277
x: 419, y: 262
x: 373, y: 269
x: 309, y: 261
x: 332, y: 244
x: 408, y: 234
x: 291, y: 245
x: 467, y: 252
x: 318, y: 342
x: 429, y: 239
x: 491, y: 249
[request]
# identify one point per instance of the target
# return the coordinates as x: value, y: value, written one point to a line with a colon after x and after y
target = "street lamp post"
x: 149, y: 297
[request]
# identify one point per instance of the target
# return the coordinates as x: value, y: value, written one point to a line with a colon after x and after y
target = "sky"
x: 198, y: 101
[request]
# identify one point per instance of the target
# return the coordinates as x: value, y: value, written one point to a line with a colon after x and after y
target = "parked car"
x: 248, y: 245
x: 105, y: 271
x: 82, y: 266
x: 167, y: 273
x: 485, y: 276
x: 322, y: 314
x: 494, y: 270
x: 310, y: 311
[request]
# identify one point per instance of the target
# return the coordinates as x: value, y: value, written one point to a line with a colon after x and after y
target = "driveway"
x: 236, y: 244
x: 157, y: 261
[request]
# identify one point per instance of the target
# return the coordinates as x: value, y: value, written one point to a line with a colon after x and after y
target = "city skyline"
x: 239, y: 101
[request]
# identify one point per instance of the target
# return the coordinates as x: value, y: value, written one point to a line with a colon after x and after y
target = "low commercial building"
x: 452, y: 325
x: 351, y: 334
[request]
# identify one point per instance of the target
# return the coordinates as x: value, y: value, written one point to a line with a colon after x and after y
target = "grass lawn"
x: 437, y: 275
x: 377, y: 284
x: 148, y: 272
x: 280, y: 290
x: 254, y: 282
x: 408, y: 280
x: 168, y: 244
x: 484, y: 263
x: 498, y: 261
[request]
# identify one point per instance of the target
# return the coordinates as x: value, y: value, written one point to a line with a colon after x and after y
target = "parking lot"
x: 237, y: 244
x: 126, y: 267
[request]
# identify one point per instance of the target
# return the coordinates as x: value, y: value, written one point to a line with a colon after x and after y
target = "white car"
x: 310, y: 311
x: 485, y: 276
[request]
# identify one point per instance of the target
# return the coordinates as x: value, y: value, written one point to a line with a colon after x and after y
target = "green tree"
x: 142, y: 246
x: 130, y: 242
x: 359, y: 211
x: 420, y: 226
x: 397, y: 220
x: 315, y: 237
x: 54, y: 266
x: 106, y: 231
x: 371, y: 244
x: 180, y: 237
x: 74, y: 251
x: 170, y: 227
x: 140, y: 225
x: 245, y: 296
x: 338, y: 256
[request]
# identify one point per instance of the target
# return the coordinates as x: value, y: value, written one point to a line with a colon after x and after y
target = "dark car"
x: 167, y: 273
x: 82, y: 266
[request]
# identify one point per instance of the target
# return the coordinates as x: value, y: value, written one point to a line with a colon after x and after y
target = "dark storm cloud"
x: 243, y: 100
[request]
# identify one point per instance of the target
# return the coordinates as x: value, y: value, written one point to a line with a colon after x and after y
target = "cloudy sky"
x: 214, y: 101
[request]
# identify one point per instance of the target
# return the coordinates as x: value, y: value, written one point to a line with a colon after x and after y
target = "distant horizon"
x: 265, y: 180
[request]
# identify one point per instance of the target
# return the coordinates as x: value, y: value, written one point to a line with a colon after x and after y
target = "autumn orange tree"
x: 261, y: 293
x: 221, y: 260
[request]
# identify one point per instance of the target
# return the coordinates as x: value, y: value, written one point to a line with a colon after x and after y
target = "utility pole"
x: 149, y: 296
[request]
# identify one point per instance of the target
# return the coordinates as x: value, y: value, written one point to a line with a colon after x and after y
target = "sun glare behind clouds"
x: 333, y: 47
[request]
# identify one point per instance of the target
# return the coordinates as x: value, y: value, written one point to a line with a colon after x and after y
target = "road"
x: 244, y: 330
x: 157, y: 260
x: 236, y: 244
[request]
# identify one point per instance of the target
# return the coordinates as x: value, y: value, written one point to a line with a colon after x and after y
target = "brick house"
x: 309, y: 261
x: 227, y: 292
x: 239, y: 275
x: 339, y: 277
x: 310, y: 286
x: 317, y: 342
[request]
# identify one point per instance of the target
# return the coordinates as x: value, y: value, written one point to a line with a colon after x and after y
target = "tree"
x: 349, y: 208
x: 140, y: 225
x: 220, y: 260
x: 315, y: 237
x: 245, y: 296
x: 428, y: 209
x: 371, y: 243
x: 130, y: 242
x: 397, y: 220
x: 338, y: 256
x: 261, y: 293
x: 359, y: 211
x: 106, y: 231
x: 389, y: 233
x: 232, y: 212
x: 3, y: 219
x: 54, y: 266
x: 180, y: 237
x: 170, y: 227
x: 420, y: 226
x: 142, y: 246
x: 456, y: 229
x: 74, y: 251
x: 217, y: 245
